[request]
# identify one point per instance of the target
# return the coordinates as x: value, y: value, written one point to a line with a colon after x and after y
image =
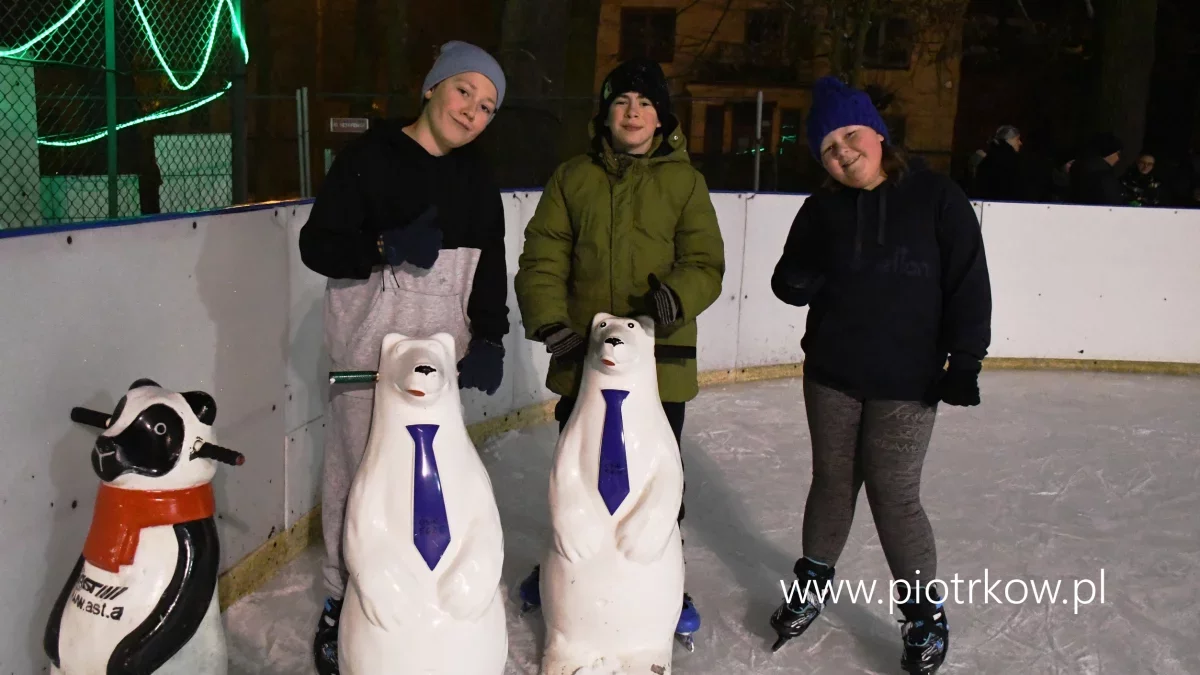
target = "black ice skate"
x: 803, y: 606
x: 325, y: 644
x: 926, y: 636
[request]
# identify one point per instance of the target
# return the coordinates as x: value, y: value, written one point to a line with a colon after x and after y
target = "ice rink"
x: 1059, y: 481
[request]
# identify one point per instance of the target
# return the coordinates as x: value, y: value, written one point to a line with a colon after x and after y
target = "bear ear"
x: 202, y: 405
x: 391, y: 340
x: 143, y: 382
x: 446, y: 340
x: 647, y: 324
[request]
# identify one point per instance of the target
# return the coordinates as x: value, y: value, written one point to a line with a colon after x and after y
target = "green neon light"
x: 235, y: 22
x: 161, y: 114
x: 46, y: 33
x: 208, y: 49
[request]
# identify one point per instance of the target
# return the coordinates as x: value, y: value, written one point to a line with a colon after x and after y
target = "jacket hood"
x: 669, y: 145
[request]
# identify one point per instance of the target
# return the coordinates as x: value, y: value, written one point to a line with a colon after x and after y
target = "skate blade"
x: 686, y: 640
x: 779, y: 643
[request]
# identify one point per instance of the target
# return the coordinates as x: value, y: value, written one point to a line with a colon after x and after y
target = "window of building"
x: 714, y: 129
x: 648, y: 32
x: 889, y: 44
x: 790, y: 129
x: 745, y: 114
x: 766, y: 35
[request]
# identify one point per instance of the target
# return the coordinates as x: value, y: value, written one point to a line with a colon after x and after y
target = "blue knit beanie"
x: 835, y: 105
x: 462, y: 57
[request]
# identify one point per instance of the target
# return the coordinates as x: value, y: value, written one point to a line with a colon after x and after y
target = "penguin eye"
x: 160, y: 428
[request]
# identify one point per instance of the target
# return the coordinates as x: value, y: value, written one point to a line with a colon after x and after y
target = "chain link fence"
x: 119, y: 108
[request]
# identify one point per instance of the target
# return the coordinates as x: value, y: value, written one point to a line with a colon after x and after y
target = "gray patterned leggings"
x: 881, y: 444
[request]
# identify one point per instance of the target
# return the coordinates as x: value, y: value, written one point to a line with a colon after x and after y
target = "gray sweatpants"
x: 346, y: 435
x: 881, y: 444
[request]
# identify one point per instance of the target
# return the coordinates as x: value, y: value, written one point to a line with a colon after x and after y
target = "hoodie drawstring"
x: 858, y: 228
x: 882, y: 211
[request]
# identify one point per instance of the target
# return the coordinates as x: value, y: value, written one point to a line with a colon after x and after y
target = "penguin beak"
x: 106, y: 461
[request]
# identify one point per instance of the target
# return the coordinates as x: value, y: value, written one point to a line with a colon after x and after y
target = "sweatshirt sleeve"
x: 966, y: 286
x: 333, y: 243
x: 487, y: 308
x: 795, y: 272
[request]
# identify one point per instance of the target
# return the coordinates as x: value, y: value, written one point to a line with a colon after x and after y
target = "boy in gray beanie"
x: 409, y: 228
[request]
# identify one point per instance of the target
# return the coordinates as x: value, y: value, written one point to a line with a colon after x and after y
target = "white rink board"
x: 769, y: 331
x: 227, y: 307
x: 1091, y: 282
x: 86, y: 313
x: 717, y: 347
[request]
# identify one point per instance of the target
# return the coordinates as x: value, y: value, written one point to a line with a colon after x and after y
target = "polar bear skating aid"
x: 142, y: 599
x: 612, y: 582
x: 423, y: 541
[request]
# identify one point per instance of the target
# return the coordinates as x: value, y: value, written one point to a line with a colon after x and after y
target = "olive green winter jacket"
x: 604, y: 223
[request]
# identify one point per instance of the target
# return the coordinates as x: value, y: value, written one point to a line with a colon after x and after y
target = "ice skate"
x: 689, y: 623
x: 926, y: 635
x: 531, y: 596
x: 795, y: 615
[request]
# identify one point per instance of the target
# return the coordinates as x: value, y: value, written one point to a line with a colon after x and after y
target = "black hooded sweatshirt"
x: 383, y: 180
x: 897, y: 281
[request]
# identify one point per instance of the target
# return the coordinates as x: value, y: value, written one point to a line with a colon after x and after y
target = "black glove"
x: 661, y: 302
x: 417, y: 242
x: 959, y: 384
x: 797, y: 288
x: 563, y: 343
x: 483, y: 366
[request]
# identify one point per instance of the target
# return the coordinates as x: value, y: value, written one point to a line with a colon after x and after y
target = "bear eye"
x: 160, y: 428
x: 631, y: 325
x: 603, y: 324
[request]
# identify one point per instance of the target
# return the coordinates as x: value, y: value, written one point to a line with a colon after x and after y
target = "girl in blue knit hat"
x: 889, y: 258
x: 408, y: 226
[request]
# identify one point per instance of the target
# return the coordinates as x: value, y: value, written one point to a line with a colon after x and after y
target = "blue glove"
x: 483, y: 366
x: 418, y: 242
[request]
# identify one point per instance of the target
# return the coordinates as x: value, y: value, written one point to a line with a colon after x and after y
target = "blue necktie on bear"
x: 614, y: 466
x: 431, y: 528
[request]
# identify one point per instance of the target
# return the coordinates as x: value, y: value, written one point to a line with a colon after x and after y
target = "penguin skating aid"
x: 142, y: 597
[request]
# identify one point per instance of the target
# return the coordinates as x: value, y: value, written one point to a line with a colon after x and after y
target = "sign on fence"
x: 348, y: 125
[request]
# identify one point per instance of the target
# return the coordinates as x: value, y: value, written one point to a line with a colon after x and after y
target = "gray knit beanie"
x: 462, y: 57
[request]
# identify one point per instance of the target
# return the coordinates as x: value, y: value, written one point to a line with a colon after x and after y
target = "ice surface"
x: 1055, y: 478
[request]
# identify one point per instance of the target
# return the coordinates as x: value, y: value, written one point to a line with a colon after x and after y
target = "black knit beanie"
x: 643, y: 76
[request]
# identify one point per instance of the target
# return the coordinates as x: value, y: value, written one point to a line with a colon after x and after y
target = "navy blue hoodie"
x: 897, y: 281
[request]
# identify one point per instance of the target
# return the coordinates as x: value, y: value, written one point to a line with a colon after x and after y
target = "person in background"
x: 1141, y: 184
x: 409, y: 228
x: 1001, y: 176
x: 889, y: 258
x: 1094, y: 181
x: 628, y: 228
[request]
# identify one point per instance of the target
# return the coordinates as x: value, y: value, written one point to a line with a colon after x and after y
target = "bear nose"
x: 425, y: 370
x: 613, y: 341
